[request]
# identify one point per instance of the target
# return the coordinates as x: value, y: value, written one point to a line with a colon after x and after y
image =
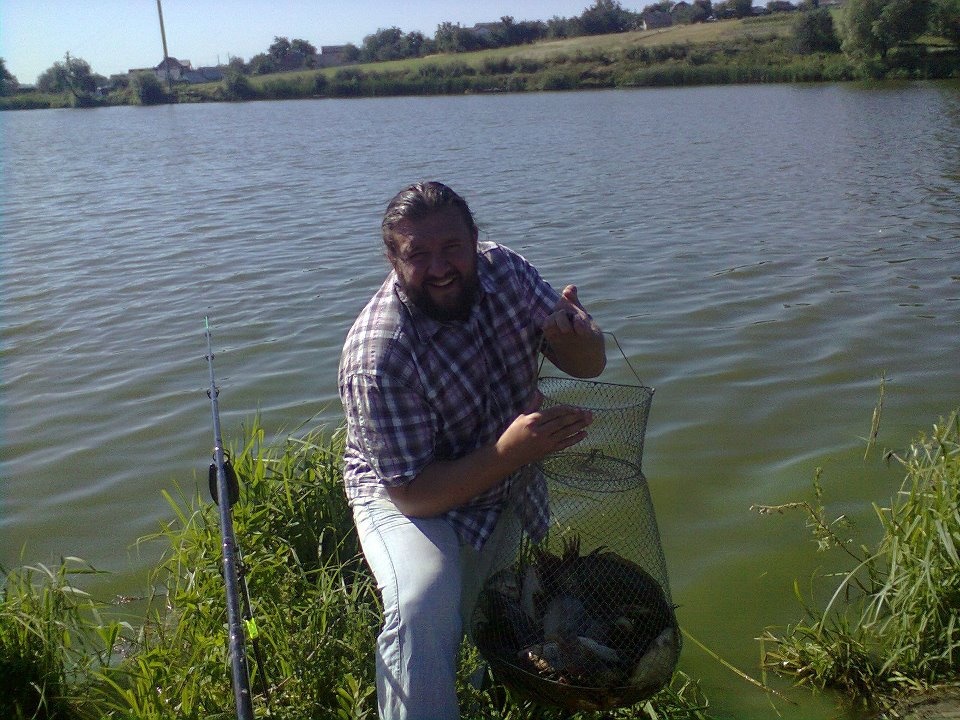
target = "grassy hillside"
x: 751, y: 50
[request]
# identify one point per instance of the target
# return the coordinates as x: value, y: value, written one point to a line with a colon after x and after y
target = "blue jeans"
x: 429, y: 584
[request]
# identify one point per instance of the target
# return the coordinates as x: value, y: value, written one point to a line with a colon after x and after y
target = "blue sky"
x: 116, y: 35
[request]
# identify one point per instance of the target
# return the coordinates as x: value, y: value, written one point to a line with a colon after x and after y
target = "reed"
x: 890, y: 628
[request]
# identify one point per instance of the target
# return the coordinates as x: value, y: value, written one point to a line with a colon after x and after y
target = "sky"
x: 117, y: 35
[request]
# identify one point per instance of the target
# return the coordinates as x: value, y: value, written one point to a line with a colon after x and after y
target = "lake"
x: 763, y: 255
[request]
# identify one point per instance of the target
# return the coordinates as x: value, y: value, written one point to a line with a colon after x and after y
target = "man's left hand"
x: 569, y: 317
x: 575, y: 342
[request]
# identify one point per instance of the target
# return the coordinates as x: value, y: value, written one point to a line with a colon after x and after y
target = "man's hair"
x: 417, y: 202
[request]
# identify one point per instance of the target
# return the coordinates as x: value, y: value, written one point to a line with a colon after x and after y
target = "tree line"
x: 875, y: 33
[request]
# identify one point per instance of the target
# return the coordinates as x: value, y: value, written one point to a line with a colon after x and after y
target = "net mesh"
x: 582, y: 619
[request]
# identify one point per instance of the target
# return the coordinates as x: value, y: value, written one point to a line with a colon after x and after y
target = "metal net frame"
x: 583, y: 619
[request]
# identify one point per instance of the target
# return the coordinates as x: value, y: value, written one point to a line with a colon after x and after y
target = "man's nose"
x: 438, y: 264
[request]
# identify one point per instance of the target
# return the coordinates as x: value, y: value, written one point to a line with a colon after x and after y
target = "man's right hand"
x: 535, y: 434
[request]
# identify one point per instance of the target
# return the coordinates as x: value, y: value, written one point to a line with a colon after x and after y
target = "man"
x: 438, y: 384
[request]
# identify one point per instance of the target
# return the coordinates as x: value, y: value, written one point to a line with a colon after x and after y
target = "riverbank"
x: 309, y: 582
x: 751, y: 50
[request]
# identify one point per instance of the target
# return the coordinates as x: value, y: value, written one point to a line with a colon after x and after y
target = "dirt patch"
x: 935, y: 705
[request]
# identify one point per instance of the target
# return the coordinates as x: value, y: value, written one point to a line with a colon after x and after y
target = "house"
x: 487, y: 31
x: 202, y: 75
x: 175, y: 67
x: 331, y: 55
x: 653, y: 19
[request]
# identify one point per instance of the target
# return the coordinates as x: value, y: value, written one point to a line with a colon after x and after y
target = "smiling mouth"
x: 445, y: 283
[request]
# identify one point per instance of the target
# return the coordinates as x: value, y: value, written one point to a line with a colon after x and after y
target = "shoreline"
x: 729, y: 52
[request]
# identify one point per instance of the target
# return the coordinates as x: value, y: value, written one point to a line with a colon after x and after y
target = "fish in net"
x: 584, y: 631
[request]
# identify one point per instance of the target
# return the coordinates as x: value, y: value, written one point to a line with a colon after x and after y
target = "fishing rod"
x: 229, y: 491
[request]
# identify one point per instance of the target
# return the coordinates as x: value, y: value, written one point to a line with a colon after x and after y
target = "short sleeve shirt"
x: 416, y: 390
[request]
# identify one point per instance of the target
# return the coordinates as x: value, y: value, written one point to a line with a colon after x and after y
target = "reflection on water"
x: 763, y: 254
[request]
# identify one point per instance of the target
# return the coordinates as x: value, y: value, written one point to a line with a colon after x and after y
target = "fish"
x: 655, y: 668
x: 576, y: 660
x: 563, y: 618
x: 531, y: 590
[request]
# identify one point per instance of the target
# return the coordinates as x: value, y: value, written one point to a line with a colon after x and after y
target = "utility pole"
x: 166, y: 58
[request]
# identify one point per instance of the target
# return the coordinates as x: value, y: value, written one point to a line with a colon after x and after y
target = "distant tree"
x: 607, y: 16
x: 741, y: 8
x: 528, y: 31
x: 73, y: 75
x: 120, y: 80
x: 384, y: 44
x: 559, y: 27
x: 874, y: 27
x: 279, y: 47
x: 813, y: 31
x: 683, y: 14
x: 303, y: 47
x: 702, y: 9
x: 724, y: 10
x: 53, y: 80
x: 451, y: 38
x: 509, y: 32
x: 776, y: 6
x: 237, y: 63
x: 902, y: 21
x: 945, y: 19
x: 263, y: 64
x: 8, y: 83
x: 351, y: 53
x: 415, y: 44
x: 148, y: 89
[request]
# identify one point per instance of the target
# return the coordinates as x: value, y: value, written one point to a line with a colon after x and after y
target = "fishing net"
x: 582, y: 619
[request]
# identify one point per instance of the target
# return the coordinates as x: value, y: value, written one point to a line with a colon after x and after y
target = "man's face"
x: 436, y: 261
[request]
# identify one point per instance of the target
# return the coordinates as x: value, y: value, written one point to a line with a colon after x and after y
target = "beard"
x: 457, y: 307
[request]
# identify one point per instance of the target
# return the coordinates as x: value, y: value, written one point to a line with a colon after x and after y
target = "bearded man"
x: 438, y: 380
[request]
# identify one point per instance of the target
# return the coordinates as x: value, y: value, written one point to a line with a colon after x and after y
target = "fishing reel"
x: 233, y: 485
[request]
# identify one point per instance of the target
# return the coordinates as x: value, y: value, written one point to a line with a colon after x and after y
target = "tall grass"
x: 892, y: 625
x: 315, y: 606
x: 51, y: 639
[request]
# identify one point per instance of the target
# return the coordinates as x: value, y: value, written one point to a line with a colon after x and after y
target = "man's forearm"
x: 446, y: 484
x: 579, y: 356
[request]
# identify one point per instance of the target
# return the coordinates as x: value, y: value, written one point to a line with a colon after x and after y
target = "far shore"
x: 752, y: 50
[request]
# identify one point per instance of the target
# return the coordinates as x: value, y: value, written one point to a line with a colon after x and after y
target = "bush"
x: 237, y: 86
x: 813, y: 31
x: 148, y: 90
x: 497, y: 66
x: 558, y: 80
x: 347, y: 82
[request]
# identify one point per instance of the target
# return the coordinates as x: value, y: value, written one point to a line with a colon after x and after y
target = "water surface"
x: 763, y: 255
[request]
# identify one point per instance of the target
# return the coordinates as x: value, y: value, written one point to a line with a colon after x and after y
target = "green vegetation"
x: 147, y: 89
x: 890, y: 629
x: 65, y: 655
x: 601, y: 48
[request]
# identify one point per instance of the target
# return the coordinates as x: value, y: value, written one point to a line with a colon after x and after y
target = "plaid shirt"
x: 416, y: 390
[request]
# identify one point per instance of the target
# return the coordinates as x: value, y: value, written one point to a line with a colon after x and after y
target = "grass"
x: 890, y: 628
x: 64, y: 655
